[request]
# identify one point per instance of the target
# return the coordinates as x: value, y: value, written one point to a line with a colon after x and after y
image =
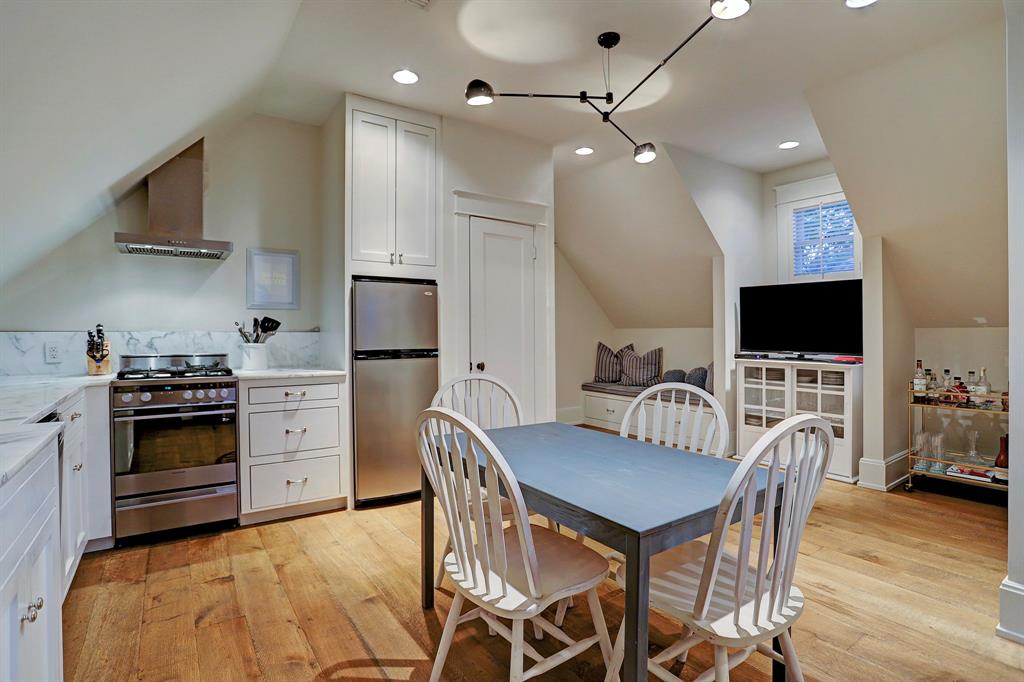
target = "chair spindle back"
x: 702, y: 424
x: 484, y: 399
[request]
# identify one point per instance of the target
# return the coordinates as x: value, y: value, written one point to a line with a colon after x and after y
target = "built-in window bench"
x: 604, y: 405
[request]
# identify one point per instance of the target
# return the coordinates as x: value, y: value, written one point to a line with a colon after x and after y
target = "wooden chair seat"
x: 675, y: 582
x: 567, y: 568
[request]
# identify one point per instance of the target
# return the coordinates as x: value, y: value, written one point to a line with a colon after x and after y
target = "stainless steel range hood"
x: 175, y: 213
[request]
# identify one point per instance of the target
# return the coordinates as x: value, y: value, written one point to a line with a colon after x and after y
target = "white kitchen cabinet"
x: 73, y: 489
x: 294, y: 447
x: 415, y: 195
x: 393, y: 191
x: 30, y: 574
x: 373, y: 187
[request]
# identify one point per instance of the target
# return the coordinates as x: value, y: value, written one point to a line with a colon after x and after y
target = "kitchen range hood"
x: 175, y: 213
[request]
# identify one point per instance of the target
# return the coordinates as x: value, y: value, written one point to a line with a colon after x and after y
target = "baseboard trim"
x: 569, y: 415
x: 98, y: 544
x: 852, y: 480
x: 881, y: 474
x: 1011, y: 611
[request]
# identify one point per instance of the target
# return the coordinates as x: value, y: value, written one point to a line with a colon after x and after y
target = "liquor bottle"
x: 960, y: 387
x: 933, y: 381
x: 920, y: 382
x: 947, y: 379
x: 983, y: 385
x: 972, y: 382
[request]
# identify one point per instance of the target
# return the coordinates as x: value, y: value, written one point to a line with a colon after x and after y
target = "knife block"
x: 103, y: 367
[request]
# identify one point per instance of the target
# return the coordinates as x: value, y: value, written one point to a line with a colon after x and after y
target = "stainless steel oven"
x: 175, y: 453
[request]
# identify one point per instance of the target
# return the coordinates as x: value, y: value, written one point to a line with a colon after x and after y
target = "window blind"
x: 824, y: 239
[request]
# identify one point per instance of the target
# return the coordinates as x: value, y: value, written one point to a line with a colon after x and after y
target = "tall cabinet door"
x: 415, y: 195
x: 373, y: 187
x: 501, y: 305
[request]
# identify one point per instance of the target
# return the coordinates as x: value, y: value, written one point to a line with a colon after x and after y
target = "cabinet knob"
x: 294, y: 481
x: 31, y: 615
x: 400, y: 257
x: 38, y: 603
x: 392, y: 258
x: 78, y: 467
x: 481, y: 366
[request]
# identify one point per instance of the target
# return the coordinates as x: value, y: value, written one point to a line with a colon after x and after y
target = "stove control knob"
x: 223, y: 393
x: 186, y: 395
x: 146, y: 397
x: 126, y: 397
x: 200, y: 394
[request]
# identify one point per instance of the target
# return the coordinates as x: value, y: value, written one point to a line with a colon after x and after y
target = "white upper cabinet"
x: 393, y: 191
x: 415, y: 195
x: 373, y: 187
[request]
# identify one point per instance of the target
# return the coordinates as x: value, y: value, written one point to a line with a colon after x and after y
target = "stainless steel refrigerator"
x: 395, y: 375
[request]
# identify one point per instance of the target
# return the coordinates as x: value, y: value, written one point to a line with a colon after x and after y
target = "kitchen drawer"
x: 304, y: 480
x: 292, y: 394
x: 604, y: 409
x: 272, y: 433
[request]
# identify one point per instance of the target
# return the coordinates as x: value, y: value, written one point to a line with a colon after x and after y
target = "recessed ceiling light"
x: 789, y: 144
x: 584, y: 151
x: 857, y: 4
x: 405, y: 77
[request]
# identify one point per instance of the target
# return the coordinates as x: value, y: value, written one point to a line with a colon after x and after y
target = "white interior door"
x: 415, y: 197
x: 373, y: 187
x: 501, y: 304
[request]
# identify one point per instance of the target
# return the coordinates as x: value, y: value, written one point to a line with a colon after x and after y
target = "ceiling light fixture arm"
x: 582, y: 96
x: 663, y: 62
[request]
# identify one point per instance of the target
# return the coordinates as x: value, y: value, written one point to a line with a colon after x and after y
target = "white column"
x: 1011, y: 593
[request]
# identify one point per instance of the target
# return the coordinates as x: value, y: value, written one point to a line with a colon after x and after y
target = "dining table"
x: 637, y: 498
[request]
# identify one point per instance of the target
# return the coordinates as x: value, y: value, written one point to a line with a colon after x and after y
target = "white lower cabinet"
x: 293, y: 447
x: 31, y: 576
x: 73, y: 509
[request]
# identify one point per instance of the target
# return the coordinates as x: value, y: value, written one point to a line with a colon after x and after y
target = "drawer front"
x: 605, y: 409
x: 296, y: 395
x: 304, y: 480
x: 272, y: 433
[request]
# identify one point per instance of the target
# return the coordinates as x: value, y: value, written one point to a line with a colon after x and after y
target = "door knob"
x: 480, y: 366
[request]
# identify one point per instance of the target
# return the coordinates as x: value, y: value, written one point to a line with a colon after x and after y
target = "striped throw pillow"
x: 641, y: 370
x: 609, y: 364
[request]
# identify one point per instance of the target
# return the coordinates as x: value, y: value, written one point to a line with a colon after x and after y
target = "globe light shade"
x: 479, y: 92
x: 729, y: 9
x: 645, y: 153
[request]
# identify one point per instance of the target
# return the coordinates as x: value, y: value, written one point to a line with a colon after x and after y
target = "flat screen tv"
x: 816, y: 318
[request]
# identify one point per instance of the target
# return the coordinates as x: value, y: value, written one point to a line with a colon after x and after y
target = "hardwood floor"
x: 900, y: 587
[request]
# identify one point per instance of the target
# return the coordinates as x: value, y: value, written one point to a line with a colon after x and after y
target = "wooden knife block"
x: 95, y: 368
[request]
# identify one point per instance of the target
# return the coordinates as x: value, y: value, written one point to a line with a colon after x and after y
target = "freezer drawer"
x: 394, y: 315
x: 389, y: 395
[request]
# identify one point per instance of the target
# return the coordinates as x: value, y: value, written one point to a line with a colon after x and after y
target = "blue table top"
x: 640, y: 487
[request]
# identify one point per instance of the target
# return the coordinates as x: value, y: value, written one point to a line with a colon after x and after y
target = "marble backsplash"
x: 22, y: 352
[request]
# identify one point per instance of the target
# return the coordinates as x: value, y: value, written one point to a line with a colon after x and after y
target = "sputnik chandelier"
x: 480, y: 92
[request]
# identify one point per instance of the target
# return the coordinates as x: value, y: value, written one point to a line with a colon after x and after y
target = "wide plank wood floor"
x: 900, y: 587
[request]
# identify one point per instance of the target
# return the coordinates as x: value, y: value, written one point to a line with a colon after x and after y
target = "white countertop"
x: 274, y: 373
x: 27, y: 399
x: 18, y: 447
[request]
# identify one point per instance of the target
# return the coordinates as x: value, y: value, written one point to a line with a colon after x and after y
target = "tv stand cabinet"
x: 772, y: 390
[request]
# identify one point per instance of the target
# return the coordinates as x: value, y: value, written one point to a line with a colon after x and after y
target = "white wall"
x: 962, y: 349
x: 579, y: 324
x: 334, y: 344
x: 263, y: 190
x: 1011, y: 594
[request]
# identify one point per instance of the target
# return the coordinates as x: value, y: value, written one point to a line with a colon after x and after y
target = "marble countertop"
x: 26, y: 399
x: 273, y: 373
x: 17, y: 448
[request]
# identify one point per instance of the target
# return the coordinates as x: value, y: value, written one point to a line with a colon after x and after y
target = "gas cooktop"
x: 179, y: 366
x: 174, y: 372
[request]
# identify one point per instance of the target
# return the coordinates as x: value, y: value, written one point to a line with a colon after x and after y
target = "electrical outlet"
x: 52, y: 354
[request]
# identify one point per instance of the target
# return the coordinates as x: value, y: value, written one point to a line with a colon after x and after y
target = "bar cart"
x: 950, y: 465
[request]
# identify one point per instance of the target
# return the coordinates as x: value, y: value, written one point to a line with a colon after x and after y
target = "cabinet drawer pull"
x: 288, y: 432
x: 38, y: 603
x: 74, y: 416
x: 293, y: 481
x: 78, y: 467
x: 31, y: 615
x: 400, y: 256
x: 293, y: 394
x: 392, y: 258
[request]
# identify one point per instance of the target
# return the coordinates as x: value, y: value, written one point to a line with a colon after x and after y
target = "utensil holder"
x: 94, y: 368
x: 254, y: 356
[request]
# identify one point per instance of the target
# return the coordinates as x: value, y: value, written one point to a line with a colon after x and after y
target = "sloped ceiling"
x: 638, y: 242
x: 920, y: 149
x: 96, y: 94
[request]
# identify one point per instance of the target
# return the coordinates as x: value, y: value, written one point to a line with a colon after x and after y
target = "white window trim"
x: 801, y: 194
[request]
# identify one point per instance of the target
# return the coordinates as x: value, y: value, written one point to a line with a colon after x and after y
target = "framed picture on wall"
x: 272, y: 279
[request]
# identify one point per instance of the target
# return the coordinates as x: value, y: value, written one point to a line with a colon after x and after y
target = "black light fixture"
x: 480, y: 92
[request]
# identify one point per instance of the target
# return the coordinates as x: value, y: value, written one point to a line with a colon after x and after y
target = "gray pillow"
x: 698, y: 376
x: 709, y: 385
x: 609, y: 364
x: 675, y: 376
x: 641, y: 370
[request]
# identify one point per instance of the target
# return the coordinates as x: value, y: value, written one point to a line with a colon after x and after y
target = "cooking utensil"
x: 255, y: 330
x: 244, y: 334
x: 268, y: 325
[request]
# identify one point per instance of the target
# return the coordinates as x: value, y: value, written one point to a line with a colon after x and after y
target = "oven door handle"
x: 218, y: 492
x: 173, y: 415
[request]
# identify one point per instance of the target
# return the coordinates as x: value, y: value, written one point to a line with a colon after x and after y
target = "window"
x: 818, y: 236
